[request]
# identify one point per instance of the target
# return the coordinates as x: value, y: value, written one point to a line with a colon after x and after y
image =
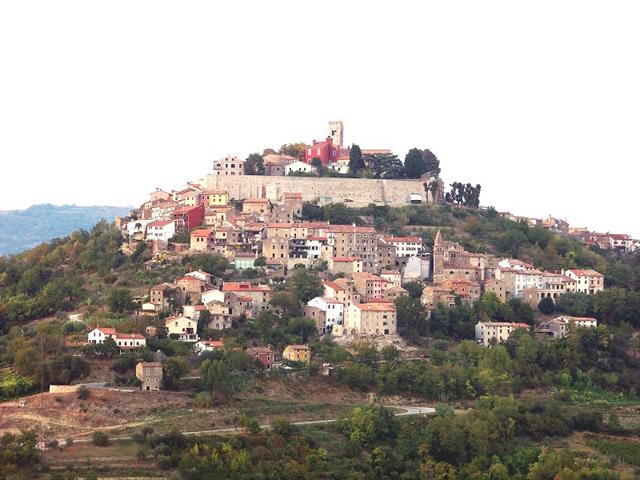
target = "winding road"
x: 406, y: 411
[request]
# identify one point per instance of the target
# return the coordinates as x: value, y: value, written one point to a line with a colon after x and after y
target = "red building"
x: 190, y: 217
x: 264, y: 355
x: 326, y: 151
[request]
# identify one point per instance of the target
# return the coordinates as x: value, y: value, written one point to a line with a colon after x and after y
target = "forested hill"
x: 24, y: 229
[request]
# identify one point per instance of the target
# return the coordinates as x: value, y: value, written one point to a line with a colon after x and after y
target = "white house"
x: 99, y: 334
x: 527, y: 279
x: 298, y: 167
x: 515, y: 264
x: 200, y: 275
x: 130, y: 341
x: 485, y: 331
x: 212, y: 296
x: 208, y: 346
x: 417, y: 268
x: 621, y: 242
x: 333, y: 309
x: 126, y: 341
x: 405, y: 246
x: 161, y: 230
x: 587, y: 281
x: 137, y: 227
x: 183, y: 328
x: 340, y: 166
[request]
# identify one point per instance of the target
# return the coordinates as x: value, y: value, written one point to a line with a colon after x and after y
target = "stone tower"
x: 438, y: 259
x: 336, y: 132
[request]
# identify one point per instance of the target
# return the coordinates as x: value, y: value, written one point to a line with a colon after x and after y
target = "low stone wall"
x: 357, y: 192
x: 63, y: 388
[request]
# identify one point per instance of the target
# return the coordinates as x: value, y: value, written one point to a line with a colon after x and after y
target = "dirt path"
x: 407, y: 411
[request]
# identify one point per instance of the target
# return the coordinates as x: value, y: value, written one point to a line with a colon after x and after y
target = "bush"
x: 281, y: 426
x: 100, y: 439
x: 164, y: 462
x: 83, y: 393
x: 68, y: 442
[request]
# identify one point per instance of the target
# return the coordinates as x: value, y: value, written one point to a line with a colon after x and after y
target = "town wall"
x: 357, y: 192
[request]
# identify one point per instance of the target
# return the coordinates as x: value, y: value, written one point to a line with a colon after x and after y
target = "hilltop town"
x: 278, y: 291
x: 254, y: 219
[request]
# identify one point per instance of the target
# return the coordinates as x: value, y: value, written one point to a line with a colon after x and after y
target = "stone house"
x: 369, y: 319
x: 559, y: 327
x: 202, y: 240
x: 297, y: 353
x: 260, y: 206
x: 230, y: 166
x: 150, y: 374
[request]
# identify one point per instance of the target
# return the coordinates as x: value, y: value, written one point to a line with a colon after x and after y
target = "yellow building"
x: 297, y: 353
x: 216, y: 198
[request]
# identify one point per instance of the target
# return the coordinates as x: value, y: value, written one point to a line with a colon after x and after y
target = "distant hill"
x: 24, y: 229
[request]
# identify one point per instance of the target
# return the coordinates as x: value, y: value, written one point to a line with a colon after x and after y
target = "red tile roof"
x: 213, y: 343
x: 244, y: 287
x: 377, y: 307
x: 129, y: 336
x: 106, y: 331
x: 585, y: 272
x: 185, y: 209
x: 203, y: 232
x: 333, y: 285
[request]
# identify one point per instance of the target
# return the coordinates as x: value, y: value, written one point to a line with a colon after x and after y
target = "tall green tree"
x: 305, y: 284
x: 293, y: 149
x: 414, y: 163
x: 356, y: 162
x: 421, y: 162
x: 254, y: 164
x: 120, y: 300
x: 431, y: 163
x: 386, y: 165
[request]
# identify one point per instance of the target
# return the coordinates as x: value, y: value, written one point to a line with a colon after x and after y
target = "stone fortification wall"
x: 356, y: 192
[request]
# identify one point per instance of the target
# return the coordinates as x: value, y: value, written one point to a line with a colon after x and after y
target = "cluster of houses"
x: 365, y: 270
x: 619, y: 242
x: 463, y: 276
x: 559, y: 327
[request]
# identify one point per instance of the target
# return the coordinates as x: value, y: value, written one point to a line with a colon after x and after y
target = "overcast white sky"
x: 100, y: 102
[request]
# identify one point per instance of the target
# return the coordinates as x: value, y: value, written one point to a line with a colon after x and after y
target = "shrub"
x: 203, y: 400
x: 164, y: 462
x: 69, y: 441
x: 282, y: 427
x: 83, y: 393
x: 100, y: 439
